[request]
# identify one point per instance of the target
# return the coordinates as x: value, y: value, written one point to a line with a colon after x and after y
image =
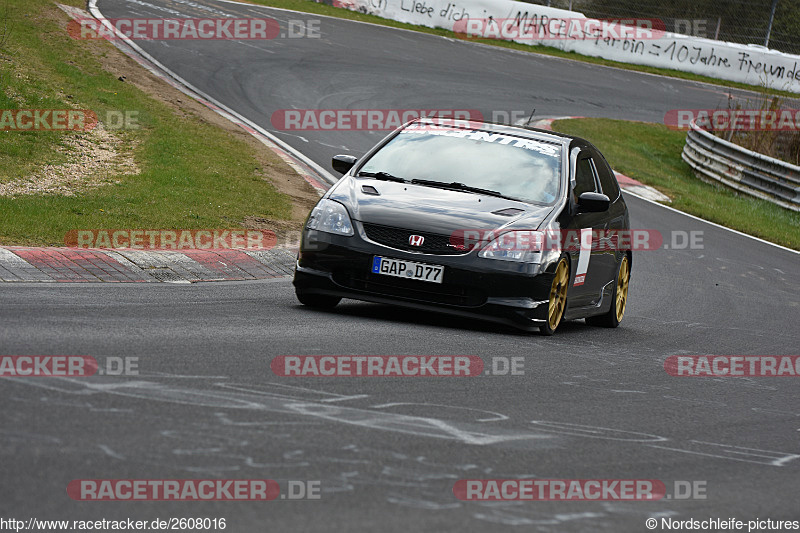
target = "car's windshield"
x: 515, y: 167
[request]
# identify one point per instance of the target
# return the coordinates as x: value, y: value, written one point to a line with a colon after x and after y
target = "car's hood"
x: 433, y: 210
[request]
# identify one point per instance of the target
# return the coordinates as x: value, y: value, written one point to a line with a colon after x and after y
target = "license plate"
x: 407, y: 269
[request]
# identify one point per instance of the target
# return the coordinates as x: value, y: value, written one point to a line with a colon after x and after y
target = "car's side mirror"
x: 343, y: 163
x: 593, y: 202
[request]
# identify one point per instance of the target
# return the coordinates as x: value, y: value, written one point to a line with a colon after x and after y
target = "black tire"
x: 619, y: 298
x: 558, y: 298
x: 318, y: 301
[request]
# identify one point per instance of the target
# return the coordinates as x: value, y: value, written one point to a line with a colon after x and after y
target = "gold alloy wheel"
x: 622, y: 287
x: 558, y: 295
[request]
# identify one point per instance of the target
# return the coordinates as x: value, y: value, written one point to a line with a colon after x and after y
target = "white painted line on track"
x: 712, y: 223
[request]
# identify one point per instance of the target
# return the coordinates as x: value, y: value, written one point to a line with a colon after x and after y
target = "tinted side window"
x: 584, y: 177
x: 607, y: 179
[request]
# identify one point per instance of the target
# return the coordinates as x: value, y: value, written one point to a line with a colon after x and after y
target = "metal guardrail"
x: 746, y: 171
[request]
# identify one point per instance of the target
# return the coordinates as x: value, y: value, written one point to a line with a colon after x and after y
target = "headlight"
x: 330, y: 217
x: 521, y: 246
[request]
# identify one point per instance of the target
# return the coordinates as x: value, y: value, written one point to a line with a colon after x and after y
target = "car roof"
x: 518, y: 130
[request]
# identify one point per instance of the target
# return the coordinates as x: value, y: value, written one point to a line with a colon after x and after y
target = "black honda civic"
x: 505, y: 223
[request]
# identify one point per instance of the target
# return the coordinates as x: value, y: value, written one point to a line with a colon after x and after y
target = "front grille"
x: 398, y: 238
x: 465, y: 296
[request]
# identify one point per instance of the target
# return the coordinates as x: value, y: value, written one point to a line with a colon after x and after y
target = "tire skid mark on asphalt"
x: 153, y: 7
x: 604, y: 389
x: 697, y: 401
x: 415, y: 425
x: 774, y: 411
x: 467, y: 433
x: 427, y: 503
x: 716, y: 327
x: 596, y: 432
x: 496, y: 417
x: 556, y: 519
x: 766, y: 457
x: 202, y: 7
x: 111, y: 453
x: 83, y: 405
x: 233, y: 441
x: 755, y: 455
x: 742, y: 381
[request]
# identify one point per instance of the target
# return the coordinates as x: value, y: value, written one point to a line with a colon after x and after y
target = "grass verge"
x: 182, y: 171
x: 310, y: 6
x: 651, y: 153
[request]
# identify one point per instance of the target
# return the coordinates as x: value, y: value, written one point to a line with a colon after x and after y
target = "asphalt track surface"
x: 592, y: 403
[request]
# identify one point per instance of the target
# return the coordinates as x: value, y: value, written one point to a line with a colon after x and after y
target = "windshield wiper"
x: 385, y: 176
x: 456, y: 186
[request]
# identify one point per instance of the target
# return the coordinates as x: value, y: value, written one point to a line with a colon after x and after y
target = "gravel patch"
x: 92, y: 159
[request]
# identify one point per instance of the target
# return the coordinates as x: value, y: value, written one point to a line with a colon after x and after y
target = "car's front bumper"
x: 501, y: 291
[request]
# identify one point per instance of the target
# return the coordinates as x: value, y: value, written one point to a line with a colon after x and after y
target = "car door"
x: 617, y: 213
x: 592, y: 261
